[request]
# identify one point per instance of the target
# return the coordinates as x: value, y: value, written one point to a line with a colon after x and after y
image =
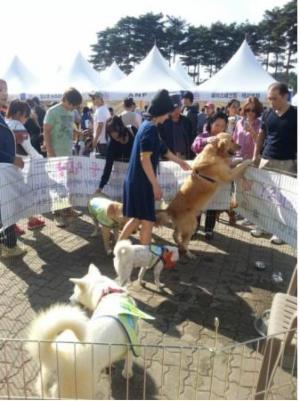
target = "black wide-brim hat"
x: 161, y: 104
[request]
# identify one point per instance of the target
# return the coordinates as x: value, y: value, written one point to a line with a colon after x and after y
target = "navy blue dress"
x: 138, y: 196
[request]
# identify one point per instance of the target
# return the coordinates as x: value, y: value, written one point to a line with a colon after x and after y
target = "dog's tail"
x: 123, y: 260
x: 123, y: 248
x: 49, y: 324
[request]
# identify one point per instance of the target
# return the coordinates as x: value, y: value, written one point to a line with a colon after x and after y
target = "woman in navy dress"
x: 141, y: 187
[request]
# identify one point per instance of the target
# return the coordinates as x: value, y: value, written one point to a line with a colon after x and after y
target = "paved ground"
x: 222, y: 282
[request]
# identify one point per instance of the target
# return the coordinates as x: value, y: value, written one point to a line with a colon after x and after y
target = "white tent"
x: 151, y: 75
x: 78, y: 74
x: 19, y: 78
x: 179, y: 69
x: 241, y: 77
x: 81, y: 75
x: 295, y: 100
x: 112, y: 74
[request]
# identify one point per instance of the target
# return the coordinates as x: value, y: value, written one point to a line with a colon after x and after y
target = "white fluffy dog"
x: 127, y: 256
x: 73, y: 350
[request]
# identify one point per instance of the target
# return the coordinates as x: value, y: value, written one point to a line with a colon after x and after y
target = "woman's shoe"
x: 34, y: 223
x: 12, y: 252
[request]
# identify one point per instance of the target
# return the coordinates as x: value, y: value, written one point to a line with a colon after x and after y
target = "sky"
x: 48, y: 34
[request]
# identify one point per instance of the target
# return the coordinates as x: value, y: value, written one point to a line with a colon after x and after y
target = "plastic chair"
x: 281, y: 331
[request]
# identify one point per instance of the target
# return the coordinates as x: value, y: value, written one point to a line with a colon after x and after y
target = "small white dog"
x: 128, y: 256
x: 73, y: 350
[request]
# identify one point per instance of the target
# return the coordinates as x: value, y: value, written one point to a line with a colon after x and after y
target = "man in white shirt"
x: 101, y: 115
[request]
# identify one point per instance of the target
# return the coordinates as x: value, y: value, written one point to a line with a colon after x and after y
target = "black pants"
x: 210, y: 220
x: 8, y: 237
x: 101, y: 149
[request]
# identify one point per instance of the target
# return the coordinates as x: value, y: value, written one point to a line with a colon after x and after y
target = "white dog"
x: 128, y: 256
x: 71, y: 369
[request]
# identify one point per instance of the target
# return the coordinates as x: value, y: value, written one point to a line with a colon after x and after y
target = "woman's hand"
x: 18, y: 162
x: 184, y: 165
x: 157, y: 191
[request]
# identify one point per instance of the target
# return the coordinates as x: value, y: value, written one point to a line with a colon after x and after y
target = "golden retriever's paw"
x: 190, y: 255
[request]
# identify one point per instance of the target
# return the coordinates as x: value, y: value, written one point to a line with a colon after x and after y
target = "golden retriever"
x: 210, y: 169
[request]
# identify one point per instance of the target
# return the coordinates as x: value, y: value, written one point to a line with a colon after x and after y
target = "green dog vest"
x: 98, y: 210
x: 126, y: 314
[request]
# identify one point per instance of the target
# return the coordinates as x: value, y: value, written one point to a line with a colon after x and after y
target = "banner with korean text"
x: 52, y: 184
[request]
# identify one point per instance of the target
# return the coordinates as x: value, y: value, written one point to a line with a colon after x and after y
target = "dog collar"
x: 198, y: 175
x: 108, y: 291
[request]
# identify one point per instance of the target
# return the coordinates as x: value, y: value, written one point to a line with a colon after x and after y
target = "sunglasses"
x: 249, y: 110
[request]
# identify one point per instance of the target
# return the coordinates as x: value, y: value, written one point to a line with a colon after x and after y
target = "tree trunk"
x: 287, y: 71
x: 276, y: 65
x: 267, y: 62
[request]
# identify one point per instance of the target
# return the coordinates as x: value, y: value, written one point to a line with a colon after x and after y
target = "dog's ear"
x: 221, y: 145
x: 77, y: 281
x: 94, y: 269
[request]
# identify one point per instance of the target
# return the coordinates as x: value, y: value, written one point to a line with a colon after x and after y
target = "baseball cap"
x: 96, y: 94
x: 209, y: 104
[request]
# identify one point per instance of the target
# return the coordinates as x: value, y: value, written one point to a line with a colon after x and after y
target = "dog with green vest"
x: 73, y: 349
x: 108, y: 215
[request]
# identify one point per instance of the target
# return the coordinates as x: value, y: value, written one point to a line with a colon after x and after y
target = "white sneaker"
x: 276, y: 240
x: 12, y: 252
x: 257, y: 232
x: 245, y: 222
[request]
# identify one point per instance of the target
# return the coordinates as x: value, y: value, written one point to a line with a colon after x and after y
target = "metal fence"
x: 161, y: 372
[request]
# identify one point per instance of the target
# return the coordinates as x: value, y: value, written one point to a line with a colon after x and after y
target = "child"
x: 17, y: 114
x: 215, y: 125
x: 141, y: 187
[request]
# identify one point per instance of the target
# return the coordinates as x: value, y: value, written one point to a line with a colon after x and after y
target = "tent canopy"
x: 179, y: 69
x: 112, y: 74
x: 151, y: 75
x: 19, y: 78
x: 241, y: 77
x: 78, y: 74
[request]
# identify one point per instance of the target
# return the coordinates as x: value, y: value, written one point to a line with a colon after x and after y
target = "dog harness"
x: 97, y: 207
x: 162, y: 254
x: 198, y: 175
x: 126, y: 313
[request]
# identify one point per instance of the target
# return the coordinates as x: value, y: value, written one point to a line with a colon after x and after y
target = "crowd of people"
x: 171, y: 127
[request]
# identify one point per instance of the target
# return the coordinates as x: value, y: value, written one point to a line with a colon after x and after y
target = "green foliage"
x: 273, y: 40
